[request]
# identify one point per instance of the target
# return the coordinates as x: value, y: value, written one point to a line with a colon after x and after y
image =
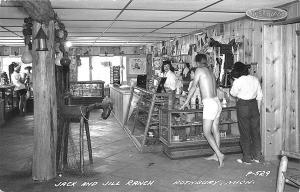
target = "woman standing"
x: 20, y: 88
x: 246, y: 88
x: 168, y: 72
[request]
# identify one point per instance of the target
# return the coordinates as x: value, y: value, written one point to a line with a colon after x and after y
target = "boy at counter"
x: 212, y: 108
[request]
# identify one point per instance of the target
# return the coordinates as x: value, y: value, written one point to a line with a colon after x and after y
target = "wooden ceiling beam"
x: 39, y: 10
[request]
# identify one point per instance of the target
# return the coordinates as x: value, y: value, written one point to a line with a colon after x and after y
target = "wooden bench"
x: 283, y: 176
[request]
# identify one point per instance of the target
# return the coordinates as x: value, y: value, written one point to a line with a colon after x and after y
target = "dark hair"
x: 199, y: 57
x: 167, y: 63
x: 187, y: 65
x: 28, y: 68
x: 239, y: 69
x: 193, y: 69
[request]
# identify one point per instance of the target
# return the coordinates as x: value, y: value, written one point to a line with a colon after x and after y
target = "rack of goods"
x: 115, y: 75
x: 142, y: 118
x: 86, y: 92
x: 181, y: 132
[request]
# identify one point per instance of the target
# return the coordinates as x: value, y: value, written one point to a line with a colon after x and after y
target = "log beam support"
x: 45, y: 108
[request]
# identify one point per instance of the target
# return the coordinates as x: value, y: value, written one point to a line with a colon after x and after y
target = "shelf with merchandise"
x: 142, y: 118
x: 181, y: 132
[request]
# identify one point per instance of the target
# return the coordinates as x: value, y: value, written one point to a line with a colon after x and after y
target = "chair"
x: 283, y: 176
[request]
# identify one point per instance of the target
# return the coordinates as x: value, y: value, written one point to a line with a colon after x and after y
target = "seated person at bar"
x: 205, y: 79
x: 20, y: 88
x: 246, y: 88
x: 168, y: 72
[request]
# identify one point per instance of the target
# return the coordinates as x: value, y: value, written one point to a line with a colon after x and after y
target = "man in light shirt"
x: 246, y: 88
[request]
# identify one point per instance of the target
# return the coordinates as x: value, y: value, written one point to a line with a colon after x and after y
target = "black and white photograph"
x: 149, y: 95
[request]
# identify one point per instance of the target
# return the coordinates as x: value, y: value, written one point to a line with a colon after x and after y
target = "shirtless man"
x: 211, y: 105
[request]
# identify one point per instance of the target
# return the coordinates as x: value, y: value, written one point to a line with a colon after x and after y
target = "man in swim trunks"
x: 211, y: 105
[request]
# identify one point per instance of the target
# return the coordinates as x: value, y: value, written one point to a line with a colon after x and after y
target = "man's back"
x: 207, y: 83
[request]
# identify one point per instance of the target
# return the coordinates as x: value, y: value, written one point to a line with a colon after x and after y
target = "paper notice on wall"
x: 137, y: 66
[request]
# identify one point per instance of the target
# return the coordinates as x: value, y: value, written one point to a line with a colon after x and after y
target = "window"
x: 100, y: 69
x: 84, y: 69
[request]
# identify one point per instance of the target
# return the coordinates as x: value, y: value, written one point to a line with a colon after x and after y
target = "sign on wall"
x: 267, y: 14
x: 137, y: 66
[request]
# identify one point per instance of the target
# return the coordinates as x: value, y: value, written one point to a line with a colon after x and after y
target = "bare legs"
x: 22, y: 104
x: 216, y: 134
x: 209, y: 127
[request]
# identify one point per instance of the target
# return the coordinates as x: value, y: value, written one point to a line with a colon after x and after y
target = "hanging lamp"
x: 41, y: 38
x: 26, y: 56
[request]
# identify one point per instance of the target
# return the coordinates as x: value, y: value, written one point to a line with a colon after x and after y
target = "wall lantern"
x: 41, y: 38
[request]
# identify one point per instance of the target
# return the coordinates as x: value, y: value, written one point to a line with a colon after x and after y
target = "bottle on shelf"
x: 197, y: 102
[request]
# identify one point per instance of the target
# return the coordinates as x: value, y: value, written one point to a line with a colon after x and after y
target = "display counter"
x: 142, y: 118
x: 86, y: 92
x: 181, y: 132
x: 120, y: 99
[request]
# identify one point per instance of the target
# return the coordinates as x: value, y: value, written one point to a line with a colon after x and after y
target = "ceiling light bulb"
x: 68, y: 44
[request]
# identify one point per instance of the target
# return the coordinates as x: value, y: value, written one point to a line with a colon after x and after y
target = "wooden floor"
x: 117, y: 160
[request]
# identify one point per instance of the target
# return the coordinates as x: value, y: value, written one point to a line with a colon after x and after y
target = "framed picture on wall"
x: 137, y: 66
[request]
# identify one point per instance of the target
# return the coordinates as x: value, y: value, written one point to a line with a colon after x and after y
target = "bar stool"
x: 73, y: 114
x: 76, y: 113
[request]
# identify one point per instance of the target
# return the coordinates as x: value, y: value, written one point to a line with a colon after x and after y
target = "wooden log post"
x: 45, y: 108
x: 45, y: 100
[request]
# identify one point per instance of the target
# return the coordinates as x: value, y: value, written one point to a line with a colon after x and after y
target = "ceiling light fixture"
x: 68, y: 44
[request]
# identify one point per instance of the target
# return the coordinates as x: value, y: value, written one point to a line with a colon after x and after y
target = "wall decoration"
x: 73, y: 69
x: 106, y: 63
x: 267, y: 14
x: 6, y: 51
x: 185, y: 49
x: 137, y: 66
x: 157, y: 61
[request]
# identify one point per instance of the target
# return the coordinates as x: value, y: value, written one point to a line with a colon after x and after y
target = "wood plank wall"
x: 274, y: 48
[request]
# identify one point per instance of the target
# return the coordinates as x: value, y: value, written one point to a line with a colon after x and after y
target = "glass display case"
x: 182, y: 135
x: 142, y: 118
x: 86, y: 92
x: 87, y: 88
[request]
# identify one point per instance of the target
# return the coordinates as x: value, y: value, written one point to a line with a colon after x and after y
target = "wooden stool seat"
x: 283, y: 176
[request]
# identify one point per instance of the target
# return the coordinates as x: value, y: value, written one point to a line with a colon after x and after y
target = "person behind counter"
x: 20, y: 88
x: 168, y: 72
x: 205, y: 79
x: 186, y: 77
x: 249, y: 95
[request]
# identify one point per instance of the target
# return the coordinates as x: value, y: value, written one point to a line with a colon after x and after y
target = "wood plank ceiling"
x: 130, y: 22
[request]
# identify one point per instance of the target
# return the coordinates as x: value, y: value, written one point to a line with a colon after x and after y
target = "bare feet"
x: 221, y: 159
x: 213, y: 157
